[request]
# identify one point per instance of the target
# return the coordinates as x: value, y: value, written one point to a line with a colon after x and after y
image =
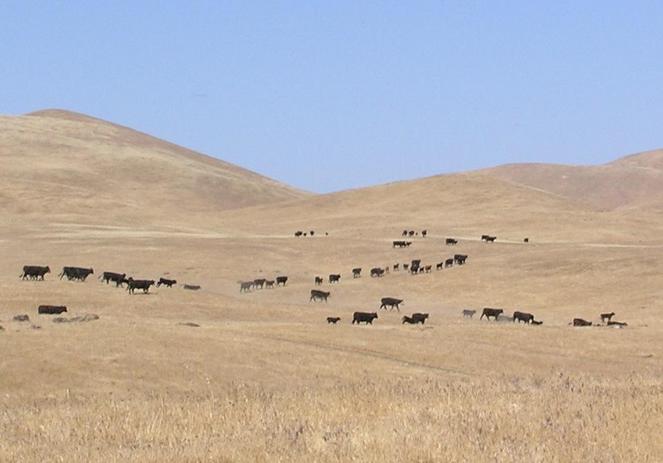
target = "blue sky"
x: 328, y: 95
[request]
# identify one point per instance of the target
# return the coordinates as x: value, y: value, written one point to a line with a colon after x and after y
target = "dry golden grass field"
x: 263, y: 377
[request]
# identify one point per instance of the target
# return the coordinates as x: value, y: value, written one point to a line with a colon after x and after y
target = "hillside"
x: 188, y: 375
x: 466, y: 205
x: 68, y: 167
x: 634, y: 181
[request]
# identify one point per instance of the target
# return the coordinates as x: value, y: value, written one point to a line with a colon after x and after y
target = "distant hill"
x: 634, y: 181
x: 67, y: 166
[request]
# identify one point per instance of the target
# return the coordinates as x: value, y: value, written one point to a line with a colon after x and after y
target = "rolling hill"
x: 634, y: 181
x: 62, y: 166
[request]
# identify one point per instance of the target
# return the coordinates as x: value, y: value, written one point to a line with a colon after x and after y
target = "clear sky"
x: 328, y: 95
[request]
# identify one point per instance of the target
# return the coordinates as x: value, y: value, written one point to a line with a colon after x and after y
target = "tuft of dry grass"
x: 529, y: 419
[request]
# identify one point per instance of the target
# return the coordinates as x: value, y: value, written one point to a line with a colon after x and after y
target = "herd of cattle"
x: 37, y: 272
x: 260, y: 283
x: 34, y: 272
x: 488, y: 312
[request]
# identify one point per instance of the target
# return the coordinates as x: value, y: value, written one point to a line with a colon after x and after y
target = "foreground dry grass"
x: 533, y: 418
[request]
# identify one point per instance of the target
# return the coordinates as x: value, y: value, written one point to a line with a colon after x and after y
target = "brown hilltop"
x: 71, y: 167
x: 634, y: 181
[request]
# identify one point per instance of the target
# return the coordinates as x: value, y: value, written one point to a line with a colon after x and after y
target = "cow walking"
x: 317, y: 295
x: 117, y: 278
x: 489, y: 312
x: 166, y: 282
x: 133, y: 285
x: 245, y: 286
x: 390, y: 302
x: 75, y: 273
x: 377, y: 272
x: 523, y: 317
x: 34, y: 272
x: 364, y: 317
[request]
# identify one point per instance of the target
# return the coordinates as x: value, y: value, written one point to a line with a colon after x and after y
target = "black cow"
x: 281, y: 280
x: 451, y: 242
x: 390, y: 302
x: 607, y: 316
x: 449, y: 263
x: 523, y: 317
x: 269, y: 284
x: 299, y: 233
x: 406, y: 267
x: 333, y: 320
x: 581, y: 322
x: 317, y: 295
x: 365, y: 317
x: 259, y: 283
x: 334, y: 278
x: 420, y: 317
x: 34, y: 272
x: 245, y: 286
x: 411, y: 233
x: 460, y: 258
x: 133, y: 285
x: 424, y: 233
x: 488, y: 312
x: 401, y: 244
x: 75, y: 273
x: 166, y: 282
x: 526, y: 240
x: 377, y: 272
x: 414, y: 266
x: 356, y: 272
x: 439, y: 266
x: 312, y: 232
x: 318, y: 281
x: 467, y: 313
x: 396, y: 267
x: 404, y: 233
x: 117, y: 278
x: 51, y: 309
x: 488, y: 238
